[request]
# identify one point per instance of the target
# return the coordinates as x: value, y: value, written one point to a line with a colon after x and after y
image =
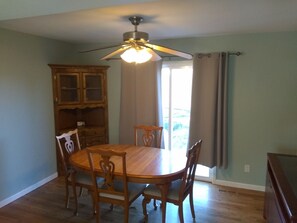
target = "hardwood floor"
x: 212, y: 204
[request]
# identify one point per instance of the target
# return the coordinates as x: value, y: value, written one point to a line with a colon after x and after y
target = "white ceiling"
x: 95, y: 21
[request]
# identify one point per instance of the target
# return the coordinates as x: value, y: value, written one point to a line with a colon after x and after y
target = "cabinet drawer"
x: 94, y: 140
x: 94, y: 132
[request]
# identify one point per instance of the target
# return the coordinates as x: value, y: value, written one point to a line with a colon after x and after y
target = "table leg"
x: 164, y: 191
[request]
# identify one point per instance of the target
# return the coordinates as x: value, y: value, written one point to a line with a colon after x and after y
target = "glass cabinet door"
x: 68, y: 88
x: 93, y: 87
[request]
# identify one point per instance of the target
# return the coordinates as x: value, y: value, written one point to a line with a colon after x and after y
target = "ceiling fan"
x: 136, y: 42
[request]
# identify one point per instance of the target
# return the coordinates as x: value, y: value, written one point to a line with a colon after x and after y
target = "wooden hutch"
x: 80, y: 101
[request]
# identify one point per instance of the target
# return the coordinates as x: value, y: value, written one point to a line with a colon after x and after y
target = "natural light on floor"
x: 202, y: 170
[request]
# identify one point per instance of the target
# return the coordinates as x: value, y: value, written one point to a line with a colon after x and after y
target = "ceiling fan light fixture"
x: 134, y: 55
x: 137, y: 49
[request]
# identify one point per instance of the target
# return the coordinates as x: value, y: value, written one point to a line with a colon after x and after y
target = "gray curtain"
x: 140, y: 98
x: 209, y: 108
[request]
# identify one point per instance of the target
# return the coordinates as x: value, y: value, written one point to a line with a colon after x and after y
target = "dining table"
x: 147, y: 165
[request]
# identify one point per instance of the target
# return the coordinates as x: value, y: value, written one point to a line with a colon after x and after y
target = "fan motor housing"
x: 136, y: 36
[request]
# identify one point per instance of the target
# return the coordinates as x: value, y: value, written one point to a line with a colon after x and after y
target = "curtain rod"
x: 229, y: 54
x: 206, y: 54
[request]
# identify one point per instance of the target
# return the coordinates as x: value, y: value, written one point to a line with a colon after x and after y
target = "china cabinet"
x: 80, y: 101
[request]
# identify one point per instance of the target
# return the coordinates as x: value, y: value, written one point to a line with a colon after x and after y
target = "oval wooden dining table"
x: 144, y: 165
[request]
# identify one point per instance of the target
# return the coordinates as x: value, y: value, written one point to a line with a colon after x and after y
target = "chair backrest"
x: 102, y: 159
x: 68, y: 144
x: 149, y: 136
x: 190, y: 169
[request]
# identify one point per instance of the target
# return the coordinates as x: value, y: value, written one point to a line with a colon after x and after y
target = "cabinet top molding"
x: 77, y: 66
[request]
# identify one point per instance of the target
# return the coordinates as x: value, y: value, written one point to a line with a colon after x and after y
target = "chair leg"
x: 75, y: 198
x: 93, y: 202
x: 192, y: 204
x: 164, y: 212
x: 126, y: 214
x: 145, y: 201
x: 67, y: 194
x: 97, y: 207
x: 80, y: 191
x: 181, y: 213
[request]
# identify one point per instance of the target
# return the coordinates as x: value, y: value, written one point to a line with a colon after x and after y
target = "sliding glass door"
x: 176, y: 102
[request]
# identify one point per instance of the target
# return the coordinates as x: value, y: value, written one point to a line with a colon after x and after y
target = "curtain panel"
x: 140, y: 97
x: 209, y: 108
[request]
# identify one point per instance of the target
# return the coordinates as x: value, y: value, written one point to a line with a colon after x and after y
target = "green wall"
x: 262, y: 105
x: 27, y: 140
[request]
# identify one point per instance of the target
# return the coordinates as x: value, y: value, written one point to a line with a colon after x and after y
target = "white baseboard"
x: 239, y: 185
x: 27, y: 190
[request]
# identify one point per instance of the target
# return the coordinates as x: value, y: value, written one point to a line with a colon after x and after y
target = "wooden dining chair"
x: 149, y: 136
x: 115, y: 188
x: 68, y: 144
x: 178, y: 189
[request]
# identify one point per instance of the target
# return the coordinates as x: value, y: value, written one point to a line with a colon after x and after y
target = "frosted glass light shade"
x: 136, y: 55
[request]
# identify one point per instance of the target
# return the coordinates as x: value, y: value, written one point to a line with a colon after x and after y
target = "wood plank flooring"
x: 213, y: 204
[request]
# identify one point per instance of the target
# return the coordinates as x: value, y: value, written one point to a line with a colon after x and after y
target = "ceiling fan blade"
x: 169, y: 51
x: 115, y: 52
x: 155, y: 56
x: 101, y: 48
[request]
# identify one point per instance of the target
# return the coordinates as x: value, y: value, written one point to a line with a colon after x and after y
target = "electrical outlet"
x: 246, y: 168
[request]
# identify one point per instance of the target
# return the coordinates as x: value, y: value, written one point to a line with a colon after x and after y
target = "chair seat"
x: 173, y: 191
x: 84, y: 178
x: 133, y: 188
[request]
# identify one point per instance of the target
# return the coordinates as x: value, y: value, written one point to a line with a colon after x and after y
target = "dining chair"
x: 148, y: 135
x: 68, y: 144
x: 178, y: 189
x: 115, y: 188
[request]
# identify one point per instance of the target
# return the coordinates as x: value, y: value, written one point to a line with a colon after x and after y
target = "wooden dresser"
x: 281, y: 189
